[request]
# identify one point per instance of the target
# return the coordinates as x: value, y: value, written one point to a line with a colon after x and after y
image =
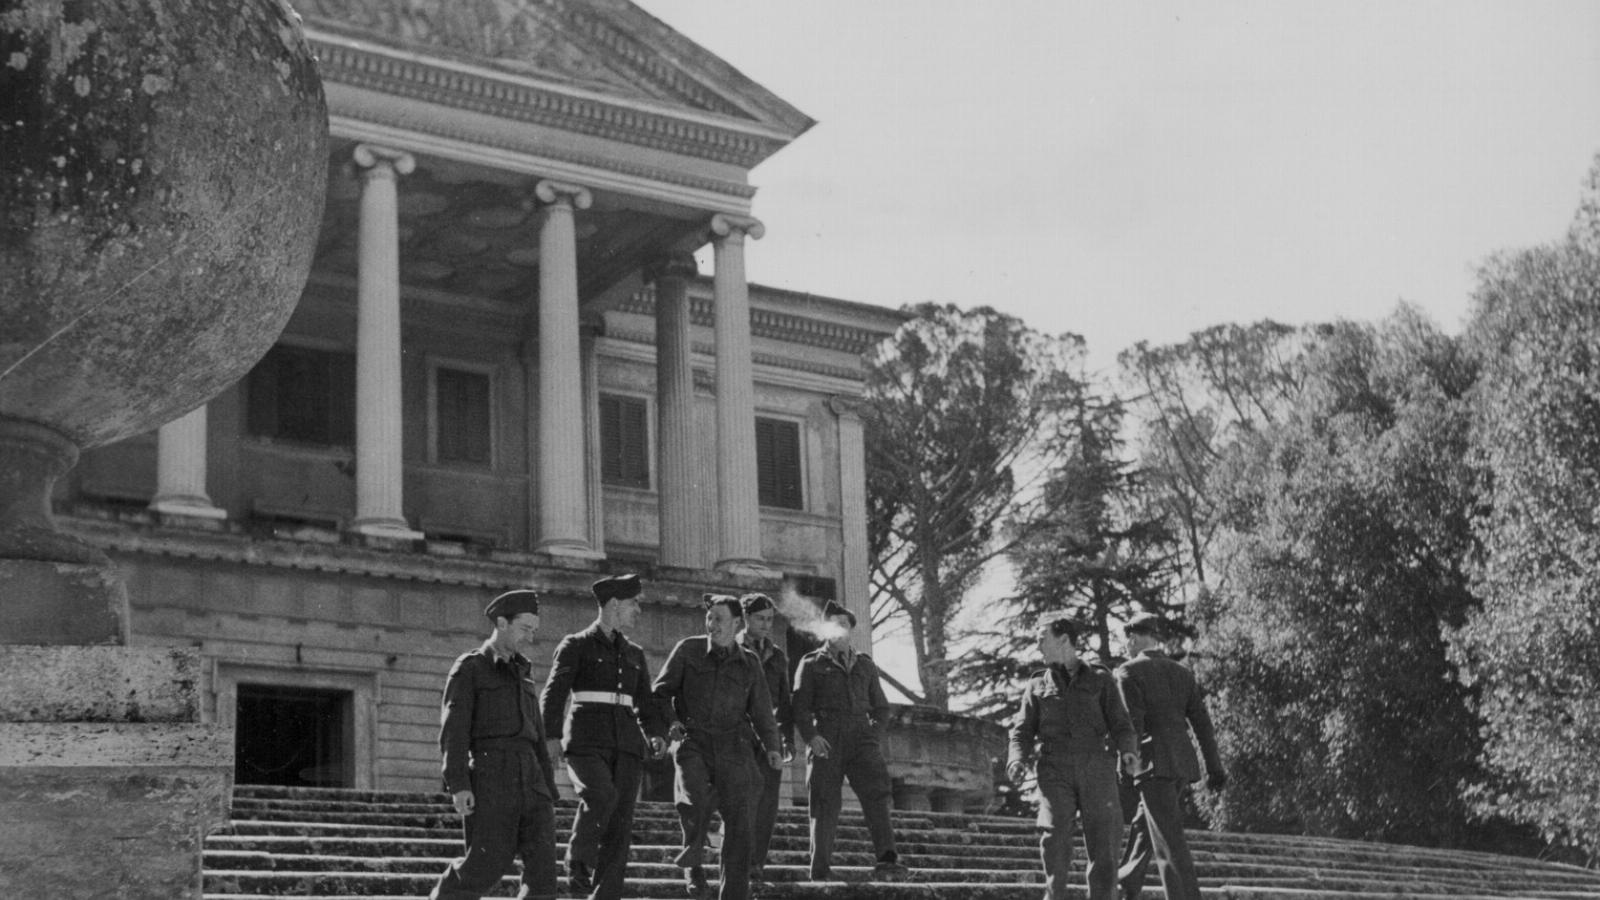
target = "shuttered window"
x: 304, y: 395
x: 778, y: 463
x: 624, y: 441
x: 461, y: 415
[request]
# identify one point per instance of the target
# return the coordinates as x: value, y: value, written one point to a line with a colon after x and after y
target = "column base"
x: 569, y: 550
x: 187, y: 507
x: 748, y: 568
x: 387, y: 529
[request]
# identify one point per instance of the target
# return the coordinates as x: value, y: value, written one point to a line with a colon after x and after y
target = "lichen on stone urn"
x: 164, y: 165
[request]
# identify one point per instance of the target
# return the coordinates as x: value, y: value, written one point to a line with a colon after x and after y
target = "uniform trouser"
x: 514, y: 815
x: 713, y: 774
x: 1159, y: 829
x: 766, y: 814
x: 854, y: 754
x: 1084, y: 784
x: 607, y: 784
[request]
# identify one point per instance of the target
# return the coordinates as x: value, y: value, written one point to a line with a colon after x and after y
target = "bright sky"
x: 1138, y: 171
x: 1135, y: 171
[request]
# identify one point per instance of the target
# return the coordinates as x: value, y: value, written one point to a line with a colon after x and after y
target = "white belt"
x: 602, y: 697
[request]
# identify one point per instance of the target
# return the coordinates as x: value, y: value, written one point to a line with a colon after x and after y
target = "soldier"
x: 613, y: 723
x: 759, y: 612
x: 1164, y: 702
x: 716, y: 692
x: 496, y: 766
x: 1072, y: 715
x: 840, y: 710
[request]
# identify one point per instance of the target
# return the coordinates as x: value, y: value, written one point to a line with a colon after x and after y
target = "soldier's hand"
x: 1017, y: 772
x: 819, y: 747
x: 1217, y: 780
x: 775, y: 759
x: 658, y: 747
x: 465, y: 803
x: 788, y: 749
x: 1131, y: 764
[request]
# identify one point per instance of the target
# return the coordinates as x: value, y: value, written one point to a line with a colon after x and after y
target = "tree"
x: 1532, y: 651
x: 1342, y: 565
x: 1091, y: 551
x: 960, y: 411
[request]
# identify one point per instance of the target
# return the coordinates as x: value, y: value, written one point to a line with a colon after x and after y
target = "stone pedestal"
x: 108, y: 780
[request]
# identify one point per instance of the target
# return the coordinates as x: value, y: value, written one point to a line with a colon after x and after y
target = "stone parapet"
x: 942, y: 761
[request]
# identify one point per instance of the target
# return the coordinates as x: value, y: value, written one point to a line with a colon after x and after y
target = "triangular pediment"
x: 609, y: 47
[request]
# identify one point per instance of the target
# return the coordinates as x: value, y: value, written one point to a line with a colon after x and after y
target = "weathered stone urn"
x: 162, y: 170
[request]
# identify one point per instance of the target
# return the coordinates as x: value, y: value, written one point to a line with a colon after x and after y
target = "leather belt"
x: 603, y: 697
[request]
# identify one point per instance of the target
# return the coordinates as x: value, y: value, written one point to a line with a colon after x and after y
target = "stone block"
x: 99, y: 684
x: 61, y: 603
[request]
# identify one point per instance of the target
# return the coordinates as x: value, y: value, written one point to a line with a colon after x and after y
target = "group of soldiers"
x: 1080, y: 724
x: 722, y: 706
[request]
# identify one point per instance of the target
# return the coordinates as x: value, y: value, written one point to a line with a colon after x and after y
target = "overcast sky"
x: 1134, y: 171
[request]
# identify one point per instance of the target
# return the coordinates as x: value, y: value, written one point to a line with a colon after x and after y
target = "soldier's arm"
x: 1132, y: 694
x: 1024, y: 732
x: 1118, y: 721
x: 783, y: 701
x: 1205, y: 734
x: 455, y: 727
x: 668, y: 685
x: 758, y: 707
x: 558, y: 687
x: 801, y: 702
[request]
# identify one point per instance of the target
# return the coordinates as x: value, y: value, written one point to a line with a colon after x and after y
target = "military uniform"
x: 775, y: 665
x: 840, y: 698
x: 1076, y: 720
x: 717, y: 694
x: 603, y: 742
x: 1164, y: 702
x: 492, y: 742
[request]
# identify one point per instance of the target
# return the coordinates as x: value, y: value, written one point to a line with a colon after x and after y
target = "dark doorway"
x: 294, y: 737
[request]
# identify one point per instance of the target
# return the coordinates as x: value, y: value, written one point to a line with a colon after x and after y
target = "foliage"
x: 962, y: 410
x: 1343, y: 559
x: 1533, y: 649
x: 1089, y: 552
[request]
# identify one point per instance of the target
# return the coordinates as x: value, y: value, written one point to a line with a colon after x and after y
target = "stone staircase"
x: 328, y: 843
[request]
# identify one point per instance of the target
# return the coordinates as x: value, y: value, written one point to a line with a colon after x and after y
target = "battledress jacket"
x: 609, y: 686
x: 1070, y: 714
x: 1164, y: 701
x: 486, y: 701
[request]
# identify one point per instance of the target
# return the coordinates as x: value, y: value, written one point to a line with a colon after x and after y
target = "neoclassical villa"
x: 505, y: 371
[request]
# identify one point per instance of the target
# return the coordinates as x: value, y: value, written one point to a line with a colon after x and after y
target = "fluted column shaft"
x: 854, y: 589
x: 676, y: 484
x: 738, y: 502
x: 380, y: 466
x: 181, y: 468
x: 563, y: 490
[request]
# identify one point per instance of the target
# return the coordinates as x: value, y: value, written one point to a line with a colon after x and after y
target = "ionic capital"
x: 383, y: 161
x: 552, y: 192
x: 671, y: 265
x: 846, y: 406
x: 725, y: 225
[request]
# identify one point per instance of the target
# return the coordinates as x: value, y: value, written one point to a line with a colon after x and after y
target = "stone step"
x: 345, y: 844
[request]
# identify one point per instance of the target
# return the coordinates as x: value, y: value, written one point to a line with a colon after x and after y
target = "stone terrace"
x: 325, y: 843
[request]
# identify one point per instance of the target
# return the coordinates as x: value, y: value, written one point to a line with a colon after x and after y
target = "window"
x: 461, y: 416
x: 305, y: 395
x: 624, y: 441
x: 778, y: 463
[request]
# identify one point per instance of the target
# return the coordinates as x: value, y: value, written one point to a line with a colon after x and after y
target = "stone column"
x: 181, y: 469
x: 677, y: 487
x: 380, y: 467
x: 563, y: 489
x: 738, y: 503
x: 854, y: 563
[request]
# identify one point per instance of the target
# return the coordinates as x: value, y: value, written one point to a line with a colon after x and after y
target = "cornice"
x: 788, y: 371
x: 767, y: 323
x: 345, y: 60
x: 454, y: 139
